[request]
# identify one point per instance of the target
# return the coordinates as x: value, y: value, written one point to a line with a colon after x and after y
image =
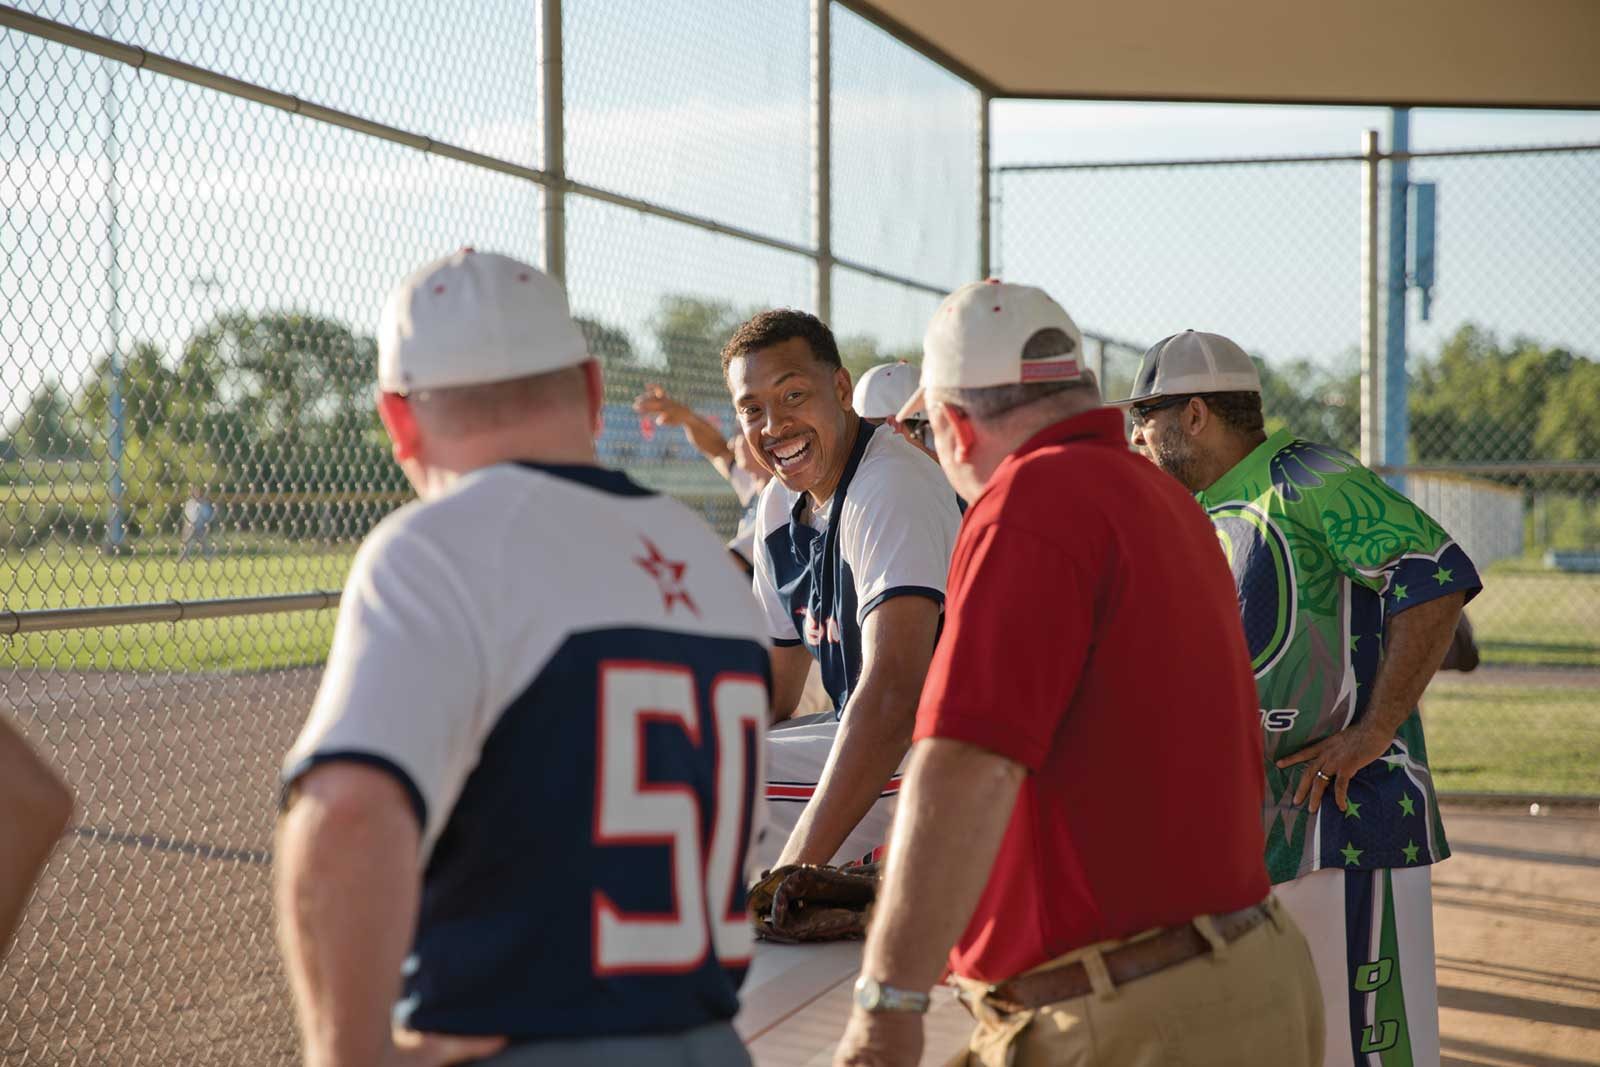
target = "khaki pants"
x: 1254, y: 1001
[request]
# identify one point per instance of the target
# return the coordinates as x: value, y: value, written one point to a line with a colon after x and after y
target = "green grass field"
x: 63, y: 576
x: 1489, y: 738
x: 1505, y: 730
x: 1527, y: 615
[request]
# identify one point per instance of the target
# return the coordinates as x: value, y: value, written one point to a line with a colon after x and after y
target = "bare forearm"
x: 871, y: 743
x: 1413, y: 648
x: 707, y: 440
x: 347, y: 889
x: 34, y: 809
x: 897, y: 639
x: 954, y: 809
x: 791, y: 666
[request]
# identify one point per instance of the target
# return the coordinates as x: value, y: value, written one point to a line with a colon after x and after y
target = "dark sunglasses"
x: 1141, y: 412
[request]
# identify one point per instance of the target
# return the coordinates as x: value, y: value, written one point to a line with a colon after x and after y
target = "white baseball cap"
x: 883, y: 390
x: 472, y: 318
x: 995, y: 333
x: 1188, y: 363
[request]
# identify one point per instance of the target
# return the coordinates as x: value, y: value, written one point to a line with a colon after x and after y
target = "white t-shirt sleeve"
x: 899, y: 527
x: 745, y: 486
x: 404, y: 688
x: 780, y: 621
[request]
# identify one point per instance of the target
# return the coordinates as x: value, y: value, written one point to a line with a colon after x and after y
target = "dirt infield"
x: 150, y: 941
x: 1517, y: 932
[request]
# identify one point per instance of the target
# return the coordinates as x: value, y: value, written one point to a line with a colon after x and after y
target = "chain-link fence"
x: 203, y: 208
x: 1504, y: 380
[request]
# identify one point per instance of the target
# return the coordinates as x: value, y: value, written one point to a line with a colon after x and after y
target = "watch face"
x: 869, y: 993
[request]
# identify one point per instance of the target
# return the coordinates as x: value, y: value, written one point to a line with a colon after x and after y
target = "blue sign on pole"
x: 1424, y: 204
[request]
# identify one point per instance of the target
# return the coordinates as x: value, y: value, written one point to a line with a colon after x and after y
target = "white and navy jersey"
x: 570, y: 683
x: 888, y: 531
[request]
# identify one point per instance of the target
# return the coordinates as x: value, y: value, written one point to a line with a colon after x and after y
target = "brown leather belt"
x: 1126, y: 963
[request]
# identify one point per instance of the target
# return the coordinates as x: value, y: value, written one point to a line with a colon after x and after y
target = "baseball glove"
x: 804, y: 903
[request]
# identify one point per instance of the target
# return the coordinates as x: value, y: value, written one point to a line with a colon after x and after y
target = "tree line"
x: 276, y: 409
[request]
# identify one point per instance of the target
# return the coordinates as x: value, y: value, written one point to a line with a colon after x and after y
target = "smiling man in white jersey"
x: 853, y: 542
x: 523, y: 800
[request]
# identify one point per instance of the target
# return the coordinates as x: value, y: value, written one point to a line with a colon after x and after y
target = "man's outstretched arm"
x: 791, y: 667
x: 667, y: 410
x: 34, y: 809
x: 897, y: 643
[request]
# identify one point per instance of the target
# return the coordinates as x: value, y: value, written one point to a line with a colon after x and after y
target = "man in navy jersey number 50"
x: 524, y: 798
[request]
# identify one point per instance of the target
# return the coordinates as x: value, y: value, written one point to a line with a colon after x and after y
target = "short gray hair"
x: 991, y: 401
x: 994, y: 400
x: 459, y: 410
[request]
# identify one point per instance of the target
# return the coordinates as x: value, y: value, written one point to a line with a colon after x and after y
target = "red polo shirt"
x: 1092, y: 635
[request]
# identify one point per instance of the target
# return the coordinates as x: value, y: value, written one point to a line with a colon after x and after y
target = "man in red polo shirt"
x: 1081, y: 816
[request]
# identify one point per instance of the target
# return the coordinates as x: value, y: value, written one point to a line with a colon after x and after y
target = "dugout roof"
x: 1423, y: 53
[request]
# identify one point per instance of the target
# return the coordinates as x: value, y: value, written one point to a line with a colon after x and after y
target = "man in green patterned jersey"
x: 1349, y: 595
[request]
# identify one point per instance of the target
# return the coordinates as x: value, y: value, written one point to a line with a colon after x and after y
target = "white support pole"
x: 984, y: 266
x: 822, y: 155
x: 555, y: 155
x: 1371, y: 349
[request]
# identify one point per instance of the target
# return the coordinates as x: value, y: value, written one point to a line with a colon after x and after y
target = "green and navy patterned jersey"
x: 1323, y: 553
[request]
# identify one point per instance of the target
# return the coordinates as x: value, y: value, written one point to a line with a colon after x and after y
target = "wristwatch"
x: 873, y: 996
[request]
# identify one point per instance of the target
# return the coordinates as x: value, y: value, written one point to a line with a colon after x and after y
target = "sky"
x: 704, y: 106
x: 1271, y: 254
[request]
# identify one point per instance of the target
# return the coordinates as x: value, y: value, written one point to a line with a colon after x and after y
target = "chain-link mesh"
x: 877, y: 320
x: 1226, y: 249
x: 703, y: 107
x: 1505, y: 421
x: 191, y: 283
x: 905, y: 158
x: 659, y: 299
x: 1503, y: 402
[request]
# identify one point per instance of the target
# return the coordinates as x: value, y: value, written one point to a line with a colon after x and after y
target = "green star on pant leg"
x: 1355, y: 639
x: 1442, y: 576
x: 1352, y: 855
x: 1406, y: 804
x: 1399, y: 592
x: 1352, y: 810
x: 1411, y: 851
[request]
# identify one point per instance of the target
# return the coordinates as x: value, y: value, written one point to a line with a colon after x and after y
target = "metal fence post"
x: 1371, y: 409
x: 822, y: 154
x: 1396, y: 424
x: 984, y: 270
x: 115, y: 529
x: 555, y: 156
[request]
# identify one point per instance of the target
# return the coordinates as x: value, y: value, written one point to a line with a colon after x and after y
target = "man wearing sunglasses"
x: 881, y: 393
x: 1349, y: 595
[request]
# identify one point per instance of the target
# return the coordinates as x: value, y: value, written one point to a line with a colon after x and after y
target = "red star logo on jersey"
x: 668, y: 575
